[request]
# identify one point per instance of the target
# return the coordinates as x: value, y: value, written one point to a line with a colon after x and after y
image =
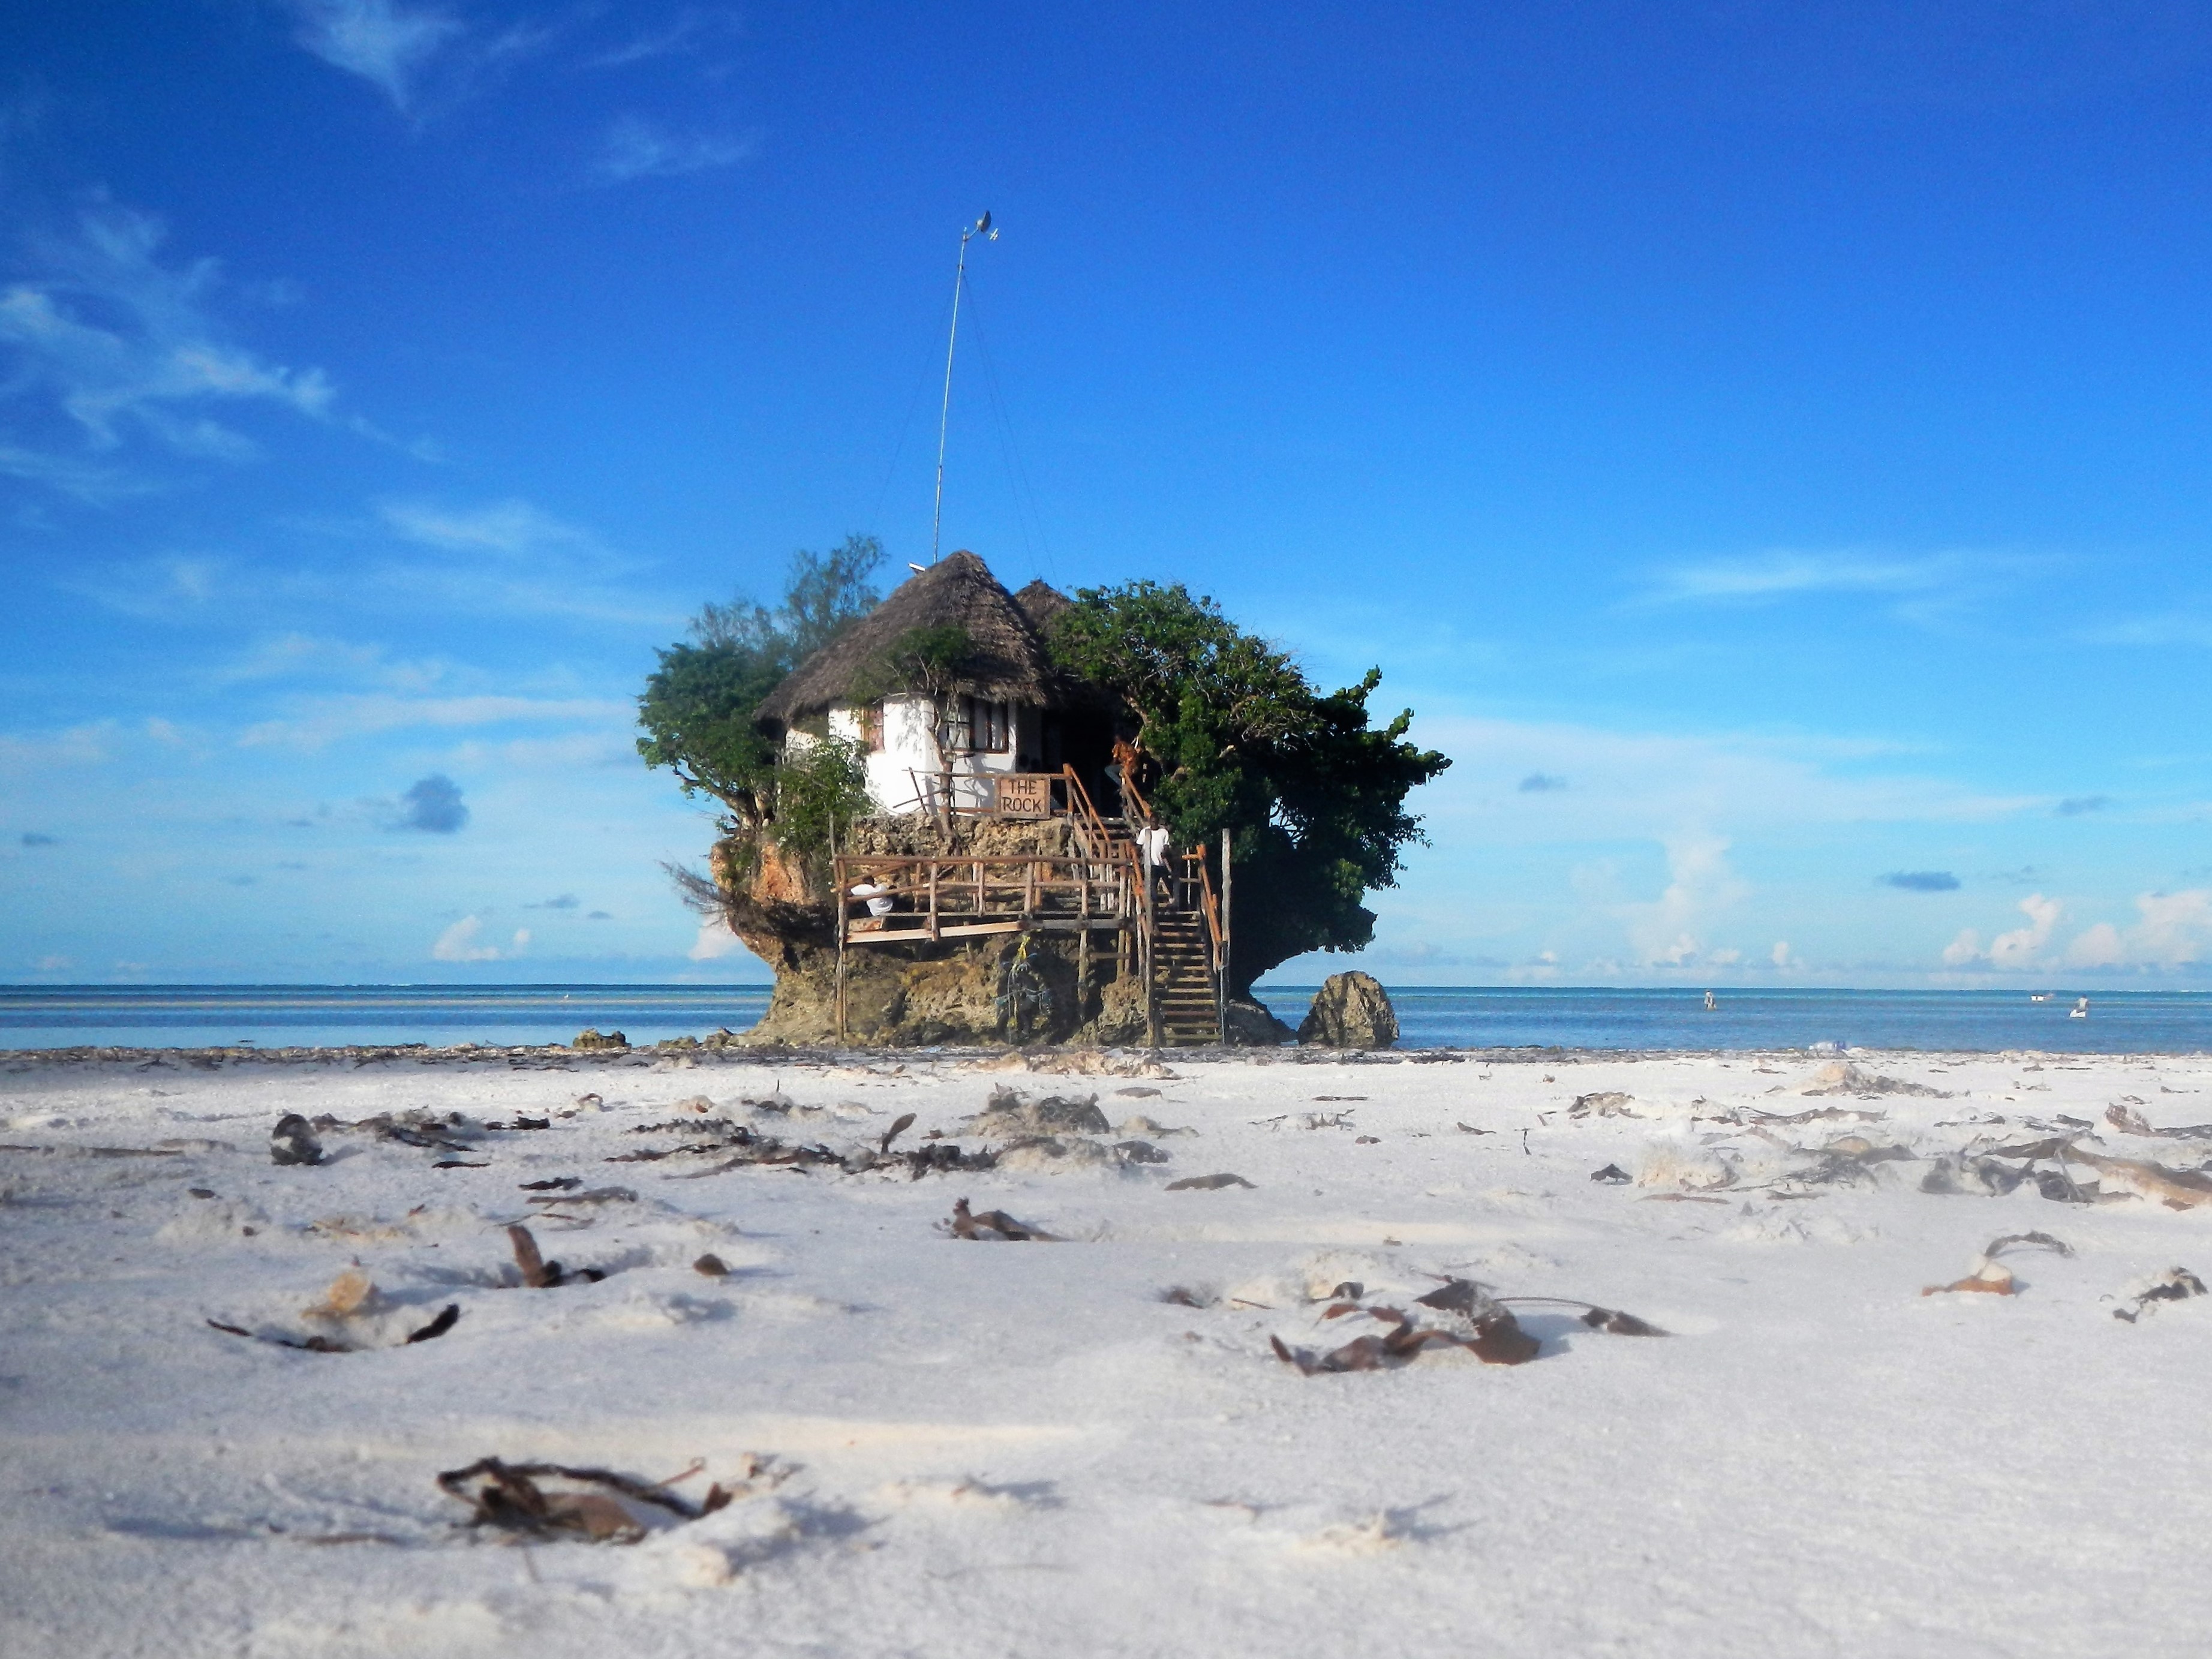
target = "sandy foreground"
x: 939, y: 1445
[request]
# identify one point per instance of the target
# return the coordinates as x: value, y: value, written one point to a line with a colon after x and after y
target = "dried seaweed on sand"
x: 996, y: 1224
x: 515, y: 1497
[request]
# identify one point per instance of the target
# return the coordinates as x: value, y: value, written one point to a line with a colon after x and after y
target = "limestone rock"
x: 1251, y: 1026
x: 1349, y: 1011
x: 590, y: 1037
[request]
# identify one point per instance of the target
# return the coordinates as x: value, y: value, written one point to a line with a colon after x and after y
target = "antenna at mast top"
x: 981, y: 228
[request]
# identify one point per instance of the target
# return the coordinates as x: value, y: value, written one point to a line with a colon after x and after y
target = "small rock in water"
x: 1350, y: 1011
x: 592, y: 1037
x: 294, y: 1141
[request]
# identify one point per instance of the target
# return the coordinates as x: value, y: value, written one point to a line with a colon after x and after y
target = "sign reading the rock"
x: 1025, y: 795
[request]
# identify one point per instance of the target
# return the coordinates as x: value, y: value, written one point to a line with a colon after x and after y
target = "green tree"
x: 696, y: 710
x: 1236, y: 738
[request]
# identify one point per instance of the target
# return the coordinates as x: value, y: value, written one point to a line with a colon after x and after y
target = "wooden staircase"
x: 1182, y: 980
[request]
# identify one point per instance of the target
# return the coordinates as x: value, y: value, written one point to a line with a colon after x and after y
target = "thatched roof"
x: 1006, y: 662
x: 1041, y: 602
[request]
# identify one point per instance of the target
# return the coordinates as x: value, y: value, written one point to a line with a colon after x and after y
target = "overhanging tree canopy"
x: 698, y: 706
x: 1237, y: 739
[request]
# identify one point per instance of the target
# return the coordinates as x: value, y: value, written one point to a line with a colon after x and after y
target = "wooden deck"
x: 1166, y: 922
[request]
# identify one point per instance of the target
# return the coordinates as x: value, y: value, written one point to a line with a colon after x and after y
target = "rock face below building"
x: 1349, y: 1011
x: 1012, y: 988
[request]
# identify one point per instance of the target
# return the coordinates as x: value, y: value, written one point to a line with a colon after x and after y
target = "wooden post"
x: 1152, y: 992
x: 1226, y: 881
x: 837, y: 880
x: 932, y: 901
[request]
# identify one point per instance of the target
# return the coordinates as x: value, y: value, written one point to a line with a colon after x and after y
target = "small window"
x: 990, y: 727
x: 871, y: 727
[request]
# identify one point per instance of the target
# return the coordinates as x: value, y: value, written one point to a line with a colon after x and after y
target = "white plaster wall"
x: 909, y: 753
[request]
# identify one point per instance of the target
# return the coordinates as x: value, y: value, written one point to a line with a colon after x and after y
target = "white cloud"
x: 2017, y: 949
x: 120, y: 343
x: 2173, y: 930
x: 2100, y: 946
x: 715, y: 940
x: 1701, y: 886
x: 458, y: 943
x: 636, y: 149
x: 1780, y: 955
x: 386, y: 44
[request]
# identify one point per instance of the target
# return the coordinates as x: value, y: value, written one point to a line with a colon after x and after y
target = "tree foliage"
x: 696, y: 711
x: 1233, y: 736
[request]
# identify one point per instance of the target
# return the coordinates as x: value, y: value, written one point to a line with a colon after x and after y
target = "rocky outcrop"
x: 1349, y: 1011
x: 1016, y: 989
x: 1251, y: 1026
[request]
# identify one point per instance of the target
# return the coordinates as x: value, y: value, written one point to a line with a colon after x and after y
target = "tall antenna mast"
x: 981, y: 227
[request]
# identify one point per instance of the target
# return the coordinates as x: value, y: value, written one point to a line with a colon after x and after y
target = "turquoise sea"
x: 292, y: 1016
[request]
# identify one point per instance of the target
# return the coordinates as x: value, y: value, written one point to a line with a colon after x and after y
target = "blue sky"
x: 1766, y: 444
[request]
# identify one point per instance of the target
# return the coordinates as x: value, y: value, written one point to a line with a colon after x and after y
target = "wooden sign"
x: 1024, y: 795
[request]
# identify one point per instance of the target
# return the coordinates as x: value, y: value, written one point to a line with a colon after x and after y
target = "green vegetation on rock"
x: 1234, y: 737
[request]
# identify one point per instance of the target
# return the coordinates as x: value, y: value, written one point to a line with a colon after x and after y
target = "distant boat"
x: 1711, y: 1002
x: 2080, y: 1010
x: 2039, y: 996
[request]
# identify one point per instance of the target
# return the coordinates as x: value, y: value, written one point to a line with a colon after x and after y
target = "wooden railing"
x: 946, y: 793
x: 939, y: 897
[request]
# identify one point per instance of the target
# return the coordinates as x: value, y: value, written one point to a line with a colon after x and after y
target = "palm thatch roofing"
x: 1006, y: 661
x: 1041, y: 602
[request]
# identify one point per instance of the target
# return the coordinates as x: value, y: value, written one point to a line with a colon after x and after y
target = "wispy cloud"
x: 682, y: 33
x: 297, y: 656
x: 2177, y: 628
x: 114, y: 342
x: 1922, y: 881
x: 2075, y: 806
x: 331, y: 719
x: 1538, y: 783
x: 508, y: 527
x: 386, y: 44
x: 1921, y: 586
x: 637, y: 148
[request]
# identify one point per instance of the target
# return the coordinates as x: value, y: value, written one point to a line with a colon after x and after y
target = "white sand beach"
x: 1088, y: 1444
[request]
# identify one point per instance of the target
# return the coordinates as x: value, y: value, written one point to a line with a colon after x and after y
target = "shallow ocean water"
x: 286, y: 1016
